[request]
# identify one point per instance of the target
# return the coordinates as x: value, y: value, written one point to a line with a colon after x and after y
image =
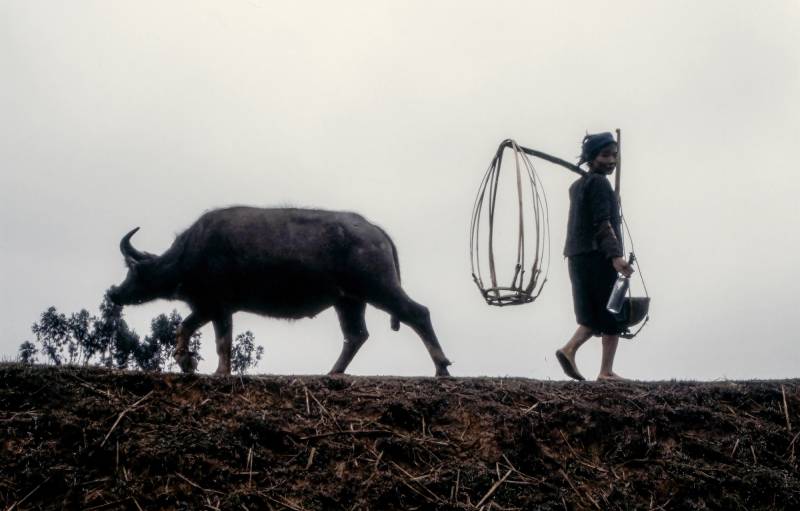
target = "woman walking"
x: 594, y: 250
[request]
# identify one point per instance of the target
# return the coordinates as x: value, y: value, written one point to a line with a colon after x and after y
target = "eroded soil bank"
x: 78, y: 438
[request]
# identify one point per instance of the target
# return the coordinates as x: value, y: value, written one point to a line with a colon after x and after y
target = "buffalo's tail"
x: 395, y: 322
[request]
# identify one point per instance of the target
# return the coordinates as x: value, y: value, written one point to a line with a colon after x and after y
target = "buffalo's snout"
x: 121, y: 295
x: 113, y: 295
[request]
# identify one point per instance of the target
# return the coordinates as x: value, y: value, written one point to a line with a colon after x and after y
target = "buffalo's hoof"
x: 442, y: 372
x: 222, y: 371
x: 187, y: 361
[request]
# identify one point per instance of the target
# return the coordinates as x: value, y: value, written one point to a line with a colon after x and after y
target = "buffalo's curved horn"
x: 127, y: 249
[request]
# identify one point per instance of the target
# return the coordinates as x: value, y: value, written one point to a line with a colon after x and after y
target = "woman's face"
x: 606, y: 161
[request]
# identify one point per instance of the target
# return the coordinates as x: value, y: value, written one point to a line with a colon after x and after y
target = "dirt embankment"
x: 77, y: 438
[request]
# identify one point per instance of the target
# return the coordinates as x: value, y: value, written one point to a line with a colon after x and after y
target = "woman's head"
x: 600, y: 152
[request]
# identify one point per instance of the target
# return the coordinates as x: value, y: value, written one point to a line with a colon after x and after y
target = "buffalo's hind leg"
x: 223, y: 330
x: 354, y: 328
x: 418, y: 317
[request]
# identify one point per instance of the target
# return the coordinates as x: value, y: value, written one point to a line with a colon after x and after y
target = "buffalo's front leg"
x: 354, y: 328
x: 186, y: 359
x: 223, y: 329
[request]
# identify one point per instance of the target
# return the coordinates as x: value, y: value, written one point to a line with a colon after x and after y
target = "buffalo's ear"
x: 131, y: 263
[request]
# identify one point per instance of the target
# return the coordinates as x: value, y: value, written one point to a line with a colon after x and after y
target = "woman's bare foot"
x: 567, y: 360
x: 610, y: 377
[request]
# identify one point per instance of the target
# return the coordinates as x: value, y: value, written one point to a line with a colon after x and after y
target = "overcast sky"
x: 148, y: 113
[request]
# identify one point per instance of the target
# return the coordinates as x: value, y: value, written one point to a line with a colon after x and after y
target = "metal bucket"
x: 634, y: 310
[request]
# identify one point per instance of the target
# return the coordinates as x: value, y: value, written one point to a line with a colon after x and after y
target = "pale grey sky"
x: 124, y: 114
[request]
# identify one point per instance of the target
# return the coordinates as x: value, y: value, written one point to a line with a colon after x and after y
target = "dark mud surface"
x: 76, y: 438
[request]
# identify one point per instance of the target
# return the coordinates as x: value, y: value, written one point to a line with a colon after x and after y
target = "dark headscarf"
x: 593, y: 144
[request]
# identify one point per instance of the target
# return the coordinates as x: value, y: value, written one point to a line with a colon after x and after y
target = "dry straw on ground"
x: 94, y: 439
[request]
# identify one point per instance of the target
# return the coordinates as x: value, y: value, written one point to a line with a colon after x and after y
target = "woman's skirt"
x: 593, y: 276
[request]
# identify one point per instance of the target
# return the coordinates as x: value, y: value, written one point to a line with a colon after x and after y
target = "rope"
x: 638, y: 266
x: 617, y: 186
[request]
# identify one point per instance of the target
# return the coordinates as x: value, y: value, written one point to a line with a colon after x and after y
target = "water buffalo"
x: 284, y: 263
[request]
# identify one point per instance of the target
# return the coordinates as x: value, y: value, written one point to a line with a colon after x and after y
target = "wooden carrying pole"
x: 532, y: 152
x: 618, y: 177
x: 619, y: 167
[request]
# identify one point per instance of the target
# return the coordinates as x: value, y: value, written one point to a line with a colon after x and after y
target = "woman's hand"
x: 622, y: 266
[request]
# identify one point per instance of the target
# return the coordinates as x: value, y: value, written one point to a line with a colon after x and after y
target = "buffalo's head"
x: 142, y: 283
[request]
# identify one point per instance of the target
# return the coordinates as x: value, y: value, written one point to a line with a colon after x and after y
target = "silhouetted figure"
x: 594, y: 250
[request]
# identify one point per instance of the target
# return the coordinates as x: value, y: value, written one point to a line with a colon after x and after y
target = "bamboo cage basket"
x: 526, y: 249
